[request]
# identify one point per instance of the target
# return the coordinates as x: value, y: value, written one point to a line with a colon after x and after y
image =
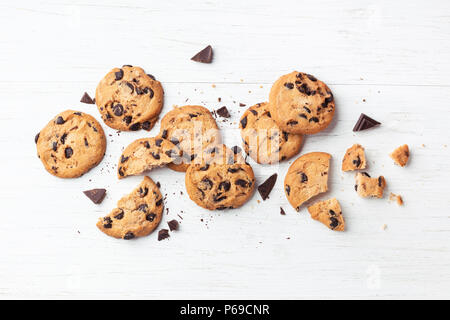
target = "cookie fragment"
x: 354, y: 158
x: 401, y: 155
x: 204, y: 56
x: 173, y: 225
x: 329, y: 213
x: 266, y: 187
x: 365, y: 122
x: 397, y: 198
x: 369, y: 187
x: 87, y: 99
x: 163, y: 234
x: 223, y: 112
x: 96, y: 195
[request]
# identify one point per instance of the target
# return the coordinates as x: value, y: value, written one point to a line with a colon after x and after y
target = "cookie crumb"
x: 384, y: 227
x: 213, y: 85
x: 397, y: 198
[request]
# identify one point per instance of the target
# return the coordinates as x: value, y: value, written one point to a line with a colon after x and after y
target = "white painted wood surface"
x: 394, y: 55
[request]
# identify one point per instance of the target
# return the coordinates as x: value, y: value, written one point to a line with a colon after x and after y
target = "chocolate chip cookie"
x: 70, y: 144
x: 354, y: 158
x: 401, y: 155
x: 146, y: 154
x: 137, y: 214
x: 307, y: 177
x: 369, y: 187
x: 128, y: 99
x: 329, y: 213
x: 301, y: 104
x: 263, y: 139
x: 222, y: 181
x: 193, y: 130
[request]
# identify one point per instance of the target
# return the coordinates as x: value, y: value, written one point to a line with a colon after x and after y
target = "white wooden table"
x: 384, y: 58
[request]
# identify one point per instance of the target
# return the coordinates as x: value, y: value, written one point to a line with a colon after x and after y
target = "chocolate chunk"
x: 86, y: 143
x: 158, y: 142
x: 292, y: 122
x: 156, y: 156
x: 68, y: 152
x: 223, y: 112
x: 241, y: 183
x: 173, y: 225
x: 266, y: 187
x: 282, y: 211
x: 127, y: 119
x: 218, y: 197
x: 204, y: 56
x: 334, y: 222
x: 119, y: 216
x: 164, y: 134
x: 159, y: 202
x: 147, y: 145
x: 254, y: 112
x: 204, y: 168
x: 244, y: 122
x: 366, y: 174
x: 123, y: 159
x: 307, y: 109
x: 118, y: 109
x: 36, y: 138
x: 332, y: 212
x: 151, y: 76
x: 163, y: 234
x: 135, y: 126
x: 285, y: 135
x: 119, y: 74
x: 289, y: 85
x: 96, y: 195
x: 380, y: 181
x: 236, y: 149
x: 365, y: 122
x: 63, y: 138
x: 143, y: 207
x: 158, y: 184
x: 121, y: 172
x: 357, y: 161
x: 225, y: 185
x: 314, y: 119
x: 55, y: 146
x: 87, y: 99
x: 127, y: 65
x: 208, y: 182
x: 129, y: 235
x: 150, y: 217
x: 312, y: 78
x: 60, y: 120
x: 107, y: 223
x: 146, y: 125
x: 130, y: 85
x: 304, y: 177
x: 175, y: 141
x: 242, y: 104
x: 302, y: 115
x: 143, y: 192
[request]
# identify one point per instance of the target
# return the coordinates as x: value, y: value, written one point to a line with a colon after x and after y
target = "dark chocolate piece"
x: 96, y: 195
x: 204, y: 56
x: 163, y: 234
x: 266, y: 187
x: 87, y: 99
x: 223, y: 112
x: 365, y: 122
x: 173, y: 225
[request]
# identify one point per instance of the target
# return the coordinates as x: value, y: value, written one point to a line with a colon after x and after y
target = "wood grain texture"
x: 386, y: 59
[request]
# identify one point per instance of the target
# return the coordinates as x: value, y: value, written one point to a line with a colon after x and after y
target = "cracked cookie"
x: 193, y: 130
x: 307, y: 177
x: 354, y: 158
x: 128, y: 99
x: 401, y: 155
x: 369, y: 187
x: 329, y: 213
x: 145, y: 154
x: 301, y: 104
x: 137, y: 214
x: 263, y: 139
x: 71, y: 144
x: 222, y: 181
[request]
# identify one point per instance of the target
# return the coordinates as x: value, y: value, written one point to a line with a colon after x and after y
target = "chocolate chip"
x: 151, y: 76
x: 87, y: 99
x: 164, y: 134
x: 204, y: 168
x: 255, y: 113
x: 146, y: 125
x: 236, y: 149
x: 282, y: 211
x: 244, y: 122
x: 292, y: 122
x: 289, y: 85
x: 156, y: 156
x: 312, y: 78
x: 207, y: 181
x: 127, y: 65
x: 356, y: 187
x: 107, y: 223
x: 175, y: 141
x: 223, y: 112
x: 143, y: 192
x: 86, y: 143
x: 139, y: 91
x: 225, y: 185
x: 129, y: 235
x: 366, y: 174
x: 158, y: 184
x: 380, y: 181
x: 241, y: 183
x: 357, y: 162
x: 96, y: 195
x: 304, y: 178
x: 163, y: 234
x: 151, y: 92
x: 143, y: 207
x: 118, y: 109
x: 36, y: 137
x: 150, y: 217
x: 302, y: 115
x: 55, y: 146
x: 241, y: 104
x: 285, y: 135
x: 135, y: 126
x: 159, y: 202
x: 130, y: 85
x: 266, y: 187
x: 147, y: 144
x: 303, y: 88
x: 332, y: 212
x: 68, y: 152
x: 233, y: 170
x: 63, y: 138
x: 119, y: 74
x: 158, y: 142
x: 121, y: 172
x: 127, y: 119
x: 123, y: 159
x: 78, y: 113
x: 365, y: 122
x: 204, y: 56
x: 218, y: 197
x: 173, y: 225
x: 60, y: 120
x: 307, y: 109
x: 334, y: 222
x: 314, y: 119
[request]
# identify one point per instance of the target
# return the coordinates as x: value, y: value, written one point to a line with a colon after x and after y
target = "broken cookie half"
x: 369, y: 187
x: 354, y: 158
x: 329, y: 213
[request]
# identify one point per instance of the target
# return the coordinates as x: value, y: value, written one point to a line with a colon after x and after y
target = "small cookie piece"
x: 128, y: 99
x: 137, y: 214
x: 301, y: 104
x: 369, y: 187
x: 307, y: 177
x: 354, y: 158
x: 263, y: 139
x: 401, y: 155
x: 145, y: 154
x: 397, y: 198
x: 71, y: 144
x: 222, y: 181
x: 193, y: 129
x: 329, y: 213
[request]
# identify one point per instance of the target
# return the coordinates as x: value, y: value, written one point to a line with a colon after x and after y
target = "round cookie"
x: 301, y: 104
x: 137, y: 214
x: 128, y: 99
x: 262, y: 138
x: 71, y: 144
x: 307, y: 177
x: 193, y: 129
x: 146, y: 154
x: 222, y: 181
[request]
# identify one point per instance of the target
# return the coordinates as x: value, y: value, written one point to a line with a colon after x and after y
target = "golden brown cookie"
x: 128, y: 99
x: 137, y: 214
x: 145, y: 154
x: 307, y: 177
x: 369, y: 187
x: 329, y: 213
x: 71, y: 144
x: 222, y: 181
x: 354, y: 158
x: 401, y: 155
x: 263, y: 140
x: 192, y: 129
x: 301, y: 104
